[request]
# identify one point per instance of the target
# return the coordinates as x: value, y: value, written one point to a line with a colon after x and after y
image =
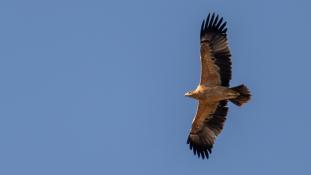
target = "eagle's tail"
x: 244, y: 96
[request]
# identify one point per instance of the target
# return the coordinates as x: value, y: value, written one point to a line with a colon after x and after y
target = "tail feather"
x: 244, y: 96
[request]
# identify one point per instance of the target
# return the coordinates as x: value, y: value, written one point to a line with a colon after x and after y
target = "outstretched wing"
x: 207, y: 124
x: 215, y: 53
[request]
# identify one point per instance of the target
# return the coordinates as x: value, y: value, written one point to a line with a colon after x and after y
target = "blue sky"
x: 96, y: 87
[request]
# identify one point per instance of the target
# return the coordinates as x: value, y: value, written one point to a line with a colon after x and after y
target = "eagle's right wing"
x: 207, y: 124
x: 215, y: 53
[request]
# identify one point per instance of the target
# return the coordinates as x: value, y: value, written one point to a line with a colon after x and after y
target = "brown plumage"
x: 213, y: 92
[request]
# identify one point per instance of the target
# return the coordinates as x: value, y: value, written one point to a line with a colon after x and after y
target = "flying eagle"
x: 214, y: 91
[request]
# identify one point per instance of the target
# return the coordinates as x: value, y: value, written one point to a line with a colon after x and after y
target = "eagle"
x: 213, y: 91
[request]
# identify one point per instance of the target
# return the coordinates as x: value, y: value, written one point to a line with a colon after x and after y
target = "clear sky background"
x: 96, y: 87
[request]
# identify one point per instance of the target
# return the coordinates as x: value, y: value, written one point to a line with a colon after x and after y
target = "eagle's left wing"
x: 207, y: 124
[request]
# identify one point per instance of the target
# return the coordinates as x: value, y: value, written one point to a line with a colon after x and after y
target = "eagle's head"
x: 189, y: 94
x: 193, y: 94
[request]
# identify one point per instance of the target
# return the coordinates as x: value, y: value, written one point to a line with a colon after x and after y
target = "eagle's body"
x: 213, y: 91
x: 213, y: 94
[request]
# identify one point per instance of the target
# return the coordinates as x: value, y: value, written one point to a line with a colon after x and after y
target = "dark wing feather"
x: 215, y: 53
x: 208, y: 123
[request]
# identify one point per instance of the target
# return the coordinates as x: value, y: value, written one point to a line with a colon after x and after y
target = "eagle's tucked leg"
x: 231, y: 94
